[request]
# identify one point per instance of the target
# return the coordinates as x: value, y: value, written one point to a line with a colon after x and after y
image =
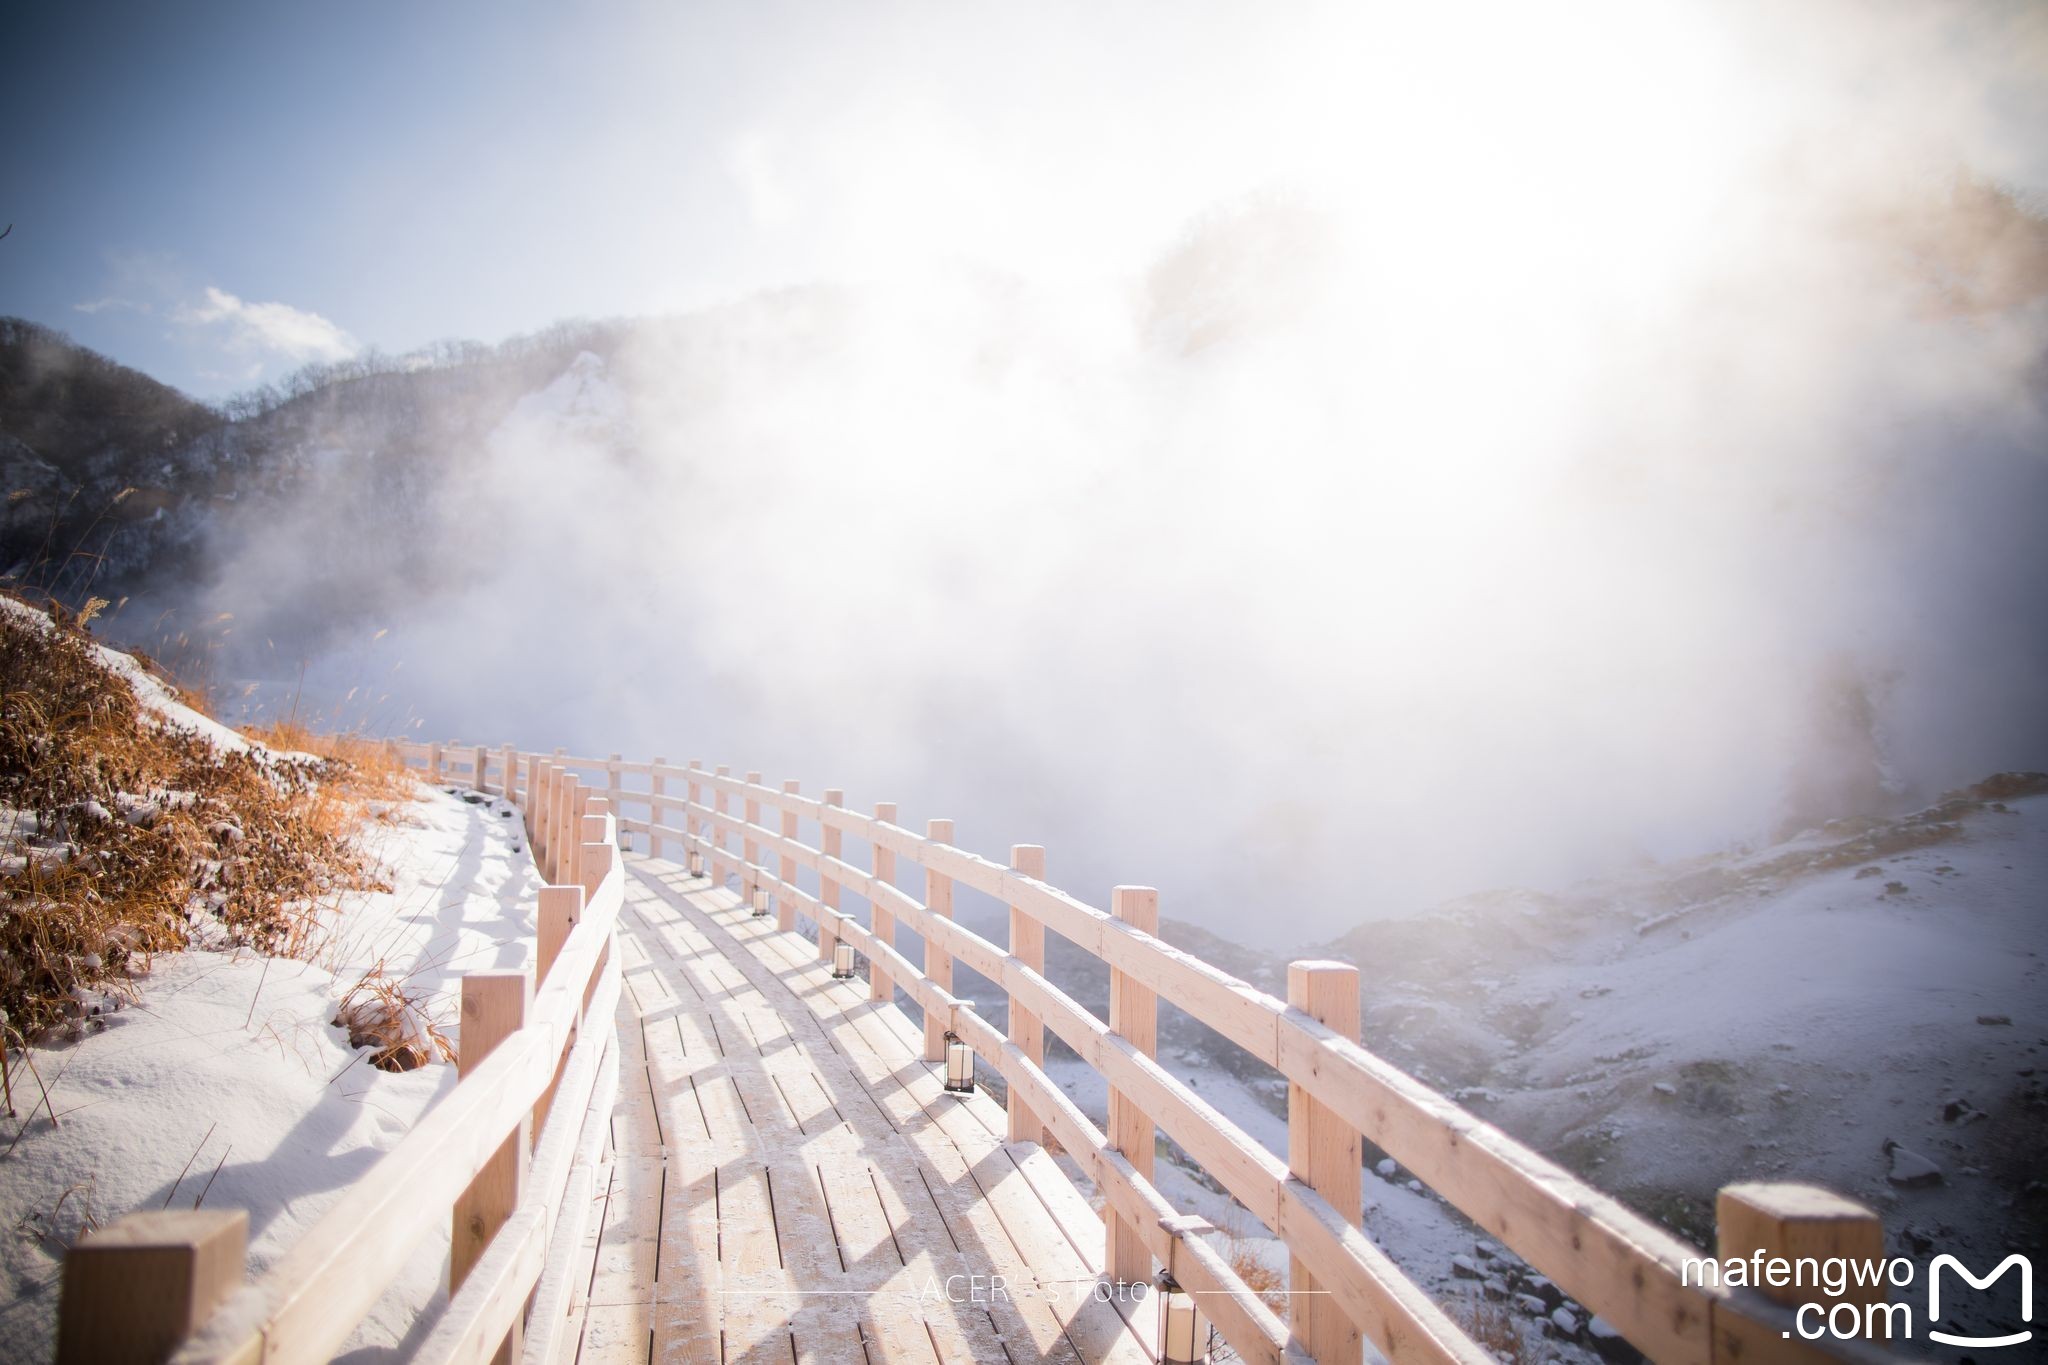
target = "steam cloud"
x: 1466, y: 460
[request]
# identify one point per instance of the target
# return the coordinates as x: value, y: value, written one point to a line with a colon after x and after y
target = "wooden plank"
x: 618, y: 1320
x: 1030, y: 1329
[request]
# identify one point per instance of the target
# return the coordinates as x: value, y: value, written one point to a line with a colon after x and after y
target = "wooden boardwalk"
x: 788, y: 1181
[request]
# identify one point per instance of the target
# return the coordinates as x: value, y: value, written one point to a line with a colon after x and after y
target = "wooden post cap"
x: 134, y: 1290
x: 1790, y: 1221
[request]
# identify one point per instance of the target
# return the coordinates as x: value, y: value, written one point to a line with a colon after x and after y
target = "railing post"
x: 1790, y: 1221
x: 596, y: 862
x: 591, y: 827
x: 568, y: 812
x: 509, y: 756
x: 718, y: 827
x: 695, y: 796
x: 1133, y: 1016
x: 557, y: 776
x: 1027, y: 944
x: 882, y: 986
x: 657, y: 787
x: 785, y: 867
x: 614, y: 783
x: 559, y: 911
x: 136, y: 1289
x: 539, y: 783
x: 567, y: 825
x: 560, y: 908
x: 434, y: 762
x: 751, y: 810
x: 494, y: 1007
x: 479, y: 768
x: 829, y: 840
x: 1324, y: 1153
x: 938, y: 963
x: 596, y: 866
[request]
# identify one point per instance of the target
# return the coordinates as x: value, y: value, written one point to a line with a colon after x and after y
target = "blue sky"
x: 405, y: 172
x: 218, y: 192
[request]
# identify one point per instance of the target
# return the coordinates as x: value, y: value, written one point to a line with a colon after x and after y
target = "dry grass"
x: 121, y: 836
x: 1494, y: 1327
x: 1241, y: 1252
x: 380, y: 1013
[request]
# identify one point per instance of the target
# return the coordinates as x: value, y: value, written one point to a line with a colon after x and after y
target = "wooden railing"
x: 1342, y: 1287
x: 506, y: 1160
x: 1608, y: 1258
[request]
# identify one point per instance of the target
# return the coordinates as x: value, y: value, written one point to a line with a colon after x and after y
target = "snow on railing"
x: 508, y: 1157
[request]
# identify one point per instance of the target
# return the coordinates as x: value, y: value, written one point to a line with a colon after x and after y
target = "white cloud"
x: 109, y: 303
x: 273, y: 328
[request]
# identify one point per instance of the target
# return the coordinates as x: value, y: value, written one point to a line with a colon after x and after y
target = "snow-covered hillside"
x: 1863, y: 1007
x: 1790, y: 1013
x: 223, y: 1078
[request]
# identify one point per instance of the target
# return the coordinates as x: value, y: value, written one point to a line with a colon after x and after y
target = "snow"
x: 1785, y: 1015
x: 228, y: 1065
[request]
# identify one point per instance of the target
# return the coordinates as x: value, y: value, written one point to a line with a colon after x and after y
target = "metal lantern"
x: 959, y: 1066
x: 760, y: 901
x: 696, y: 863
x: 842, y: 960
x: 1183, y: 1331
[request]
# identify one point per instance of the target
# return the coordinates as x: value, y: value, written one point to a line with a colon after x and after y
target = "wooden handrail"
x: 1609, y: 1258
x: 308, y: 1303
x: 1619, y: 1264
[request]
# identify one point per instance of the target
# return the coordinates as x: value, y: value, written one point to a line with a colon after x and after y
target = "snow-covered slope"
x: 225, y: 1079
x: 1783, y: 1014
x: 1827, y: 1009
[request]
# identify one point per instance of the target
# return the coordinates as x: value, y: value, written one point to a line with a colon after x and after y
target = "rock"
x: 1386, y: 1168
x: 1542, y: 1288
x: 1531, y: 1305
x: 1959, y: 1108
x: 1609, y: 1344
x: 1465, y: 1268
x: 1563, y: 1323
x: 1995, y: 1019
x: 1909, y: 1169
x: 1496, y: 1290
x: 1415, y: 1185
x: 1665, y: 1088
x: 1485, y: 1251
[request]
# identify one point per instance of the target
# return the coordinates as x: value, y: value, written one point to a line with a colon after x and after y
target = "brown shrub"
x: 120, y: 833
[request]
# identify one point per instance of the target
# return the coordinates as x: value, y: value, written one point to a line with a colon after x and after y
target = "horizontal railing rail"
x: 1620, y: 1265
x: 506, y: 1158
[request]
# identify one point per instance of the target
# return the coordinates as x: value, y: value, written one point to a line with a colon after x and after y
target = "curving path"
x: 789, y: 1182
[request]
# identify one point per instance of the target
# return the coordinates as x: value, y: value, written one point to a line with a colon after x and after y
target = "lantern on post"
x: 959, y: 1065
x: 842, y: 961
x: 1183, y: 1331
x: 696, y: 863
x: 760, y: 901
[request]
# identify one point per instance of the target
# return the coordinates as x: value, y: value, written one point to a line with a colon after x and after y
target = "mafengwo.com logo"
x: 1856, y: 1301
